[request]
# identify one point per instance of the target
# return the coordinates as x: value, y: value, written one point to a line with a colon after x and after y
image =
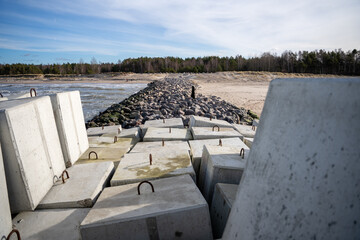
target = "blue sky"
x: 49, y: 31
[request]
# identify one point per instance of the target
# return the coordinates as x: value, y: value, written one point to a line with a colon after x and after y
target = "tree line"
x: 317, y: 62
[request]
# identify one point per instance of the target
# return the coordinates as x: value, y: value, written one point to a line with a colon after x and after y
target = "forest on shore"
x: 317, y: 62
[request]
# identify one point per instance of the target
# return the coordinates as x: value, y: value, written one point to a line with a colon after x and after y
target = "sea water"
x: 95, y: 97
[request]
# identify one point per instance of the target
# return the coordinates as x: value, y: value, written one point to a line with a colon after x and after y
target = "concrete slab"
x: 224, y: 197
x: 103, y: 154
x: 175, y: 210
x: 167, y: 134
x: 162, y: 123
x: 133, y: 133
x: 15, y: 96
x: 197, y: 121
x: 110, y: 142
x: 98, y: 131
x: 56, y: 224
x: 302, y: 176
x: 31, y: 150
x: 245, y: 130
x: 5, y: 216
x: 197, y: 147
x: 136, y: 167
x: 224, y: 165
x: 148, y: 147
x: 70, y: 124
x: 84, y: 185
x: 248, y: 141
x: 214, y: 132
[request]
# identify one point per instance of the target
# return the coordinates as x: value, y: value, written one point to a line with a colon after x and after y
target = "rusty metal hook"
x: 152, y: 187
x: 210, y: 118
x: 220, y: 142
x: 115, y: 139
x: 150, y: 158
x: 31, y: 91
x: 62, y: 176
x: 213, y: 128
x: 163, y: 142
x: 102, y: 127
x: 12, y: 232
x: 253, y: 128
x: 170, y: 130
x: 95, y: 154
x: 243, y: 153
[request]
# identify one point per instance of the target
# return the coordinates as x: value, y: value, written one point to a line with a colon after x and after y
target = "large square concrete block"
x: 5, y: 216
x: 103, y: 154
x: 214, y: 132
x: 175, y: 210
x: 302, y: 175
x: 98, y: 131
x: 70, y: 124
x: 197, y: 147
x: 223, y: 199
x: 56, y: 224
x: 148, y: 147
x: 245, y: 130
x: 162, y: 123
x: 137, y: 167
x: 167, y: 134
x: 81, y: 189
x: 31, y: 150
x: 197, y: 121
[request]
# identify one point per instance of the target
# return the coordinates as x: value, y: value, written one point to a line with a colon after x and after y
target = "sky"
x: 49, y: 31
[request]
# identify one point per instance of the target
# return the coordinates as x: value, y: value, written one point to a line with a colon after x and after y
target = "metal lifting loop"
x: 31, y: 91
x: 96, y: 156
x: 210, y: 118
x: 12, y: 232
x: 62, y: 176
x: 163, y: 142
x: 150, y: 158
x: 220, y: 142
x: 1, y: 95
x: 218, y: 128
x: 102, y: 127
x: 253, y: 128
x: 115, y: 139
x: 170, y: 130
x: 243, y: 153
x: 152, y: 187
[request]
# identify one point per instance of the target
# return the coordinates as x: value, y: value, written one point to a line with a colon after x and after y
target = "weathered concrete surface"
x: 223, y: 199
x: 162, y: 123
x: 211, y: 133
x: 104, y: 155
x: 248, y: 141
x: 110, y: 142
x: 70, y: 124
x: 148, y: 147
x: 302, y: 176
x: 197, y: 121
x: 18, y: 96
x: 98, y: 131
x: 133, y: 133
x: 198, y: 145
x: 167, y: 134
x: 81, y: 189
x: 176, y: 210
x: 245, y: 130
x: 5, y: 216
x: 57, y: 224
x: 135, y: 167
x: 31, y: 150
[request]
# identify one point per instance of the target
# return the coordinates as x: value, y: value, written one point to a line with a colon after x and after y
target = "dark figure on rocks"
x: 193, y: 92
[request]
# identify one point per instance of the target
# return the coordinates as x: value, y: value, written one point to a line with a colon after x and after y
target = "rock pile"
x: 168, y: 98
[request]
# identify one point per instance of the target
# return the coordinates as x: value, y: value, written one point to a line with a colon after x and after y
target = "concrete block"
x: 214, y: 132
x: 223, y: 165
x: 56, y: 224
x: 162, y: 123
x: 248, y: 141
x: 224, y: 197
x: 197, y: 147
x: 98, y: 131
x: 197, y: 121
x: 245, y: 130
x: 133, y: 133
x: 175, y: 210
x: 103, y: 154
x: 110, y: 142
x: 136, y: 167
x: 70, y: 124
x: 81, y: 189
x: 167, y: 134
x: 302, y: 175
x: 5, y: 216
x: 31, y: 150
x: 148, y: 147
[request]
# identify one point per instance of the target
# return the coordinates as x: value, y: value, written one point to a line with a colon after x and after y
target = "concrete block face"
x: 198, y: 145
x: 133, y: 133
x: 110, y: 142
x: 81, y: 189
x: 5, y: 216
x: 302, y: 175
x: 214, y: 133
x: 31, y: 150
x: 248, y: 141
x: 223, y: 199
x: 167, y: 134
x: 98, y: 131
x: 197, y: 121
x: 176, y: 210
x: 70, y: 123
x: 54, y: 224
x: 162, y: 123
x: 148, y: 147
x: 135, y: 167
x: 245, y: 130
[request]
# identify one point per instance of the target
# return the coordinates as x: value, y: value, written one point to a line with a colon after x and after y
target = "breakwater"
x: 168, y: 98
